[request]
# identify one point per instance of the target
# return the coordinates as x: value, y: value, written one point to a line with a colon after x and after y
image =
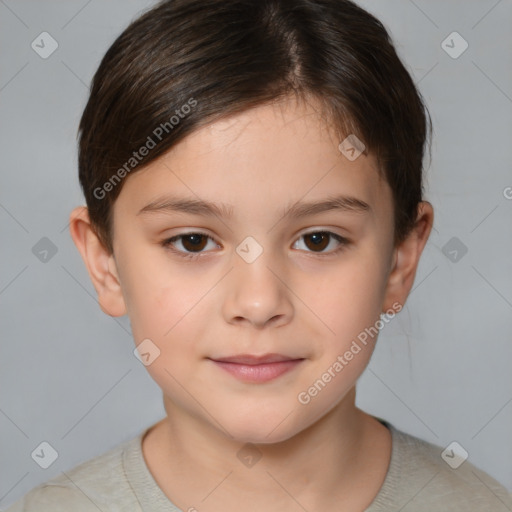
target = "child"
x: 253, y: 177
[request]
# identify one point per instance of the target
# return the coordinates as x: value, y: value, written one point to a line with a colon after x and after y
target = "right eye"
x: 192, y: 241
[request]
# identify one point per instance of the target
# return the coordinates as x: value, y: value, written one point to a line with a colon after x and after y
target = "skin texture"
x: 293, y: 299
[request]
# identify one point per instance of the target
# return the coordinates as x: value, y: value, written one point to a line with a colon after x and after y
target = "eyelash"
x: 167, y: 243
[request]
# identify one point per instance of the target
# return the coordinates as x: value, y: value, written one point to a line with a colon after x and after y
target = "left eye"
x: 321, y: 240
x: 194, y: 243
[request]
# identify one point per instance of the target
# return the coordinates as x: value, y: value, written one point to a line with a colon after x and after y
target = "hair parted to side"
x: 187, y: 63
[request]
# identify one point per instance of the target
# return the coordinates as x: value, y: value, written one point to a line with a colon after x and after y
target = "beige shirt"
x: 418, y: 480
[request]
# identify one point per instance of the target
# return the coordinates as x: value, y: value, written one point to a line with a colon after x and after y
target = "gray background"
x: 441, y: 370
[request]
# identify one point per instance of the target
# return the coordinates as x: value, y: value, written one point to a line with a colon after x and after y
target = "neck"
x: 199, y: 466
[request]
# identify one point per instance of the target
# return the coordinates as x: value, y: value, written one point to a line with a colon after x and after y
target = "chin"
x: 257, y: 428
x: 263, y: 436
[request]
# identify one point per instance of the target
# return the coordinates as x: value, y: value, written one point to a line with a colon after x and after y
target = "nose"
x: 257, y: 293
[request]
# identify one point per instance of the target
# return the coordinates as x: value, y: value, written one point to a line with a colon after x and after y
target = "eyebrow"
x: 298, y: 210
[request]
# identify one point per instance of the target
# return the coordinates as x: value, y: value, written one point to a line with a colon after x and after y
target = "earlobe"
x: 406, y: 258
x: 100, y: 264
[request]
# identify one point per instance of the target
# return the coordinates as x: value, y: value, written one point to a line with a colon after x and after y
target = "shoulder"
x: 99, y: 483
x: 423, y: 478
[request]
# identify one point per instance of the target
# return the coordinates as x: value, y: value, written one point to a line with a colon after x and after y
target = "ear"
x: 100, y: 264
x: 406, y: 257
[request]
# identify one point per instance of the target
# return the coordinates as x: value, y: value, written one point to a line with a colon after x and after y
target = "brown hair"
x: 186, y: 63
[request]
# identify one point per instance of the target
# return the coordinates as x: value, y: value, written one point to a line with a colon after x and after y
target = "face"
x: 258, y: 274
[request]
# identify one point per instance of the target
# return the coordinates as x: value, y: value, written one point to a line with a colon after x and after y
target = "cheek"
x: 348, y: 299
x: 170, y: 317
x: 171, y: 311
x: 167, y: 312
x: 159, y: 295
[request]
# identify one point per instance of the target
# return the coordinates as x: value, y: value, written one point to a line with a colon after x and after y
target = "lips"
x: 257, y: 369
x: 249, y: 359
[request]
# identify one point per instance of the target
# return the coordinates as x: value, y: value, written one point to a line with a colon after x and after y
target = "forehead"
x: 259, y: 160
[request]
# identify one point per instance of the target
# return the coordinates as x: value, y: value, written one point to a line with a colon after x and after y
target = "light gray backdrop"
x: 441, y: 370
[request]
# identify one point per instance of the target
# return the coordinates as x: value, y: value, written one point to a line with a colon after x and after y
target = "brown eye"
x: 318, y: 241
x: 192, y: 244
